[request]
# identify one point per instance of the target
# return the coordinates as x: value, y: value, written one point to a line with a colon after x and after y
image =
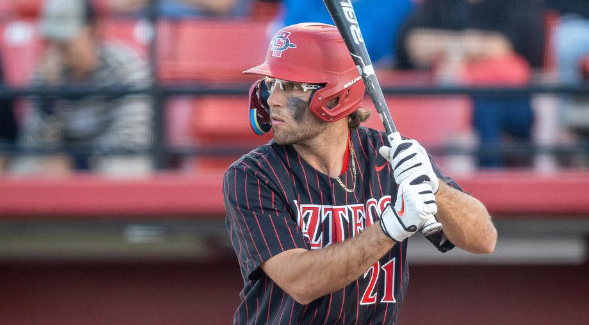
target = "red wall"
x: 181, y: 293
x: 497, y: 295
x: 117, y: 294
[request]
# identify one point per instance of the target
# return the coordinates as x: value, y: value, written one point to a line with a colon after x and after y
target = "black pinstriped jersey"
x: 276, y: 201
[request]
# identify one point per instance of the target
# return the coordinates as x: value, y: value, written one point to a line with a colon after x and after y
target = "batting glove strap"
x: 414, y: 208
x: 393, y: 226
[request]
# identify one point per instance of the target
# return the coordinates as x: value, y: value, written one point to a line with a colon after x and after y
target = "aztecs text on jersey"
x: 276, y: 201
x: 323, y: 225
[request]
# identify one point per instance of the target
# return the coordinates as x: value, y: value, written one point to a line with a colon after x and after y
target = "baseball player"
x: 319, y: 217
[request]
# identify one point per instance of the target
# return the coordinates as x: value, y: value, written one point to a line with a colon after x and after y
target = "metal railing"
x: 161, y: 92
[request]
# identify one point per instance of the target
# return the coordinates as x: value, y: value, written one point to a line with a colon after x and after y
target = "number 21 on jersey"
x: 370, y: 295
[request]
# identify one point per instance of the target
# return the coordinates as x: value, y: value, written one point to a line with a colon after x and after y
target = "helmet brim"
x: 288, y: 73
x: 262, y: 70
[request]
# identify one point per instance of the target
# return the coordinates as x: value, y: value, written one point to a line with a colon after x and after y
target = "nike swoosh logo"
x: 379, y: 168
x: 402, y: 211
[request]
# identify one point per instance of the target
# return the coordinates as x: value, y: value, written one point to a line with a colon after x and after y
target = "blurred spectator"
x: 8, y: 126
x: 585, y: 68
x: 106, y: 133
x: 379, y: 21
x: 186, y: 8
x: 480, y: 42
x: 571, y: 49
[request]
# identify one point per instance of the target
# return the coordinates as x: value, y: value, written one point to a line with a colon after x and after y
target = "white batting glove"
x: 414, y: 209
x: 408, y: 158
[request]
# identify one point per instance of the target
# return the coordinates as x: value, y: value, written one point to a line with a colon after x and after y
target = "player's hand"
x: 408, y: 158
x: 414, y: 209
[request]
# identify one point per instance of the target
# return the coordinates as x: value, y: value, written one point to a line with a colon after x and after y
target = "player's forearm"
x: 312, y: 274
x: 215, y: 6
x: 425, y: 46
x: 466, y: 220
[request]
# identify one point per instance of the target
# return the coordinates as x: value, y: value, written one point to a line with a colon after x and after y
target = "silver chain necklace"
x: 353, y: 162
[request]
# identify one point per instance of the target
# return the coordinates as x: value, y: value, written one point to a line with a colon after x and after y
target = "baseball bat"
x: 343, y: 14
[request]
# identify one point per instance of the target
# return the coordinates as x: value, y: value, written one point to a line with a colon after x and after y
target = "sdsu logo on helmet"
x: 281, y: 43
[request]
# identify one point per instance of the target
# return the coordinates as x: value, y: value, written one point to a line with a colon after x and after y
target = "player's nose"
x: 277, y: 99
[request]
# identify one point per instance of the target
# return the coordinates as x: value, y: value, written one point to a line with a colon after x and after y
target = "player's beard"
x: 306, y: 125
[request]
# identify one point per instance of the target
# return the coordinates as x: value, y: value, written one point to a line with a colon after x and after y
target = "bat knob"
x: 431, y: 228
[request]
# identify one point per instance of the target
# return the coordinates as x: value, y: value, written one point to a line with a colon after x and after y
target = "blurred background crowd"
x: 119, y: 117
x: 145, y: 85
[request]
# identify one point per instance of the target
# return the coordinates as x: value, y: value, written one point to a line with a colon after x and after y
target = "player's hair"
x: 357, y: 117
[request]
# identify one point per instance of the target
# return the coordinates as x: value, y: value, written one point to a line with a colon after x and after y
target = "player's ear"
x: 332, y: 102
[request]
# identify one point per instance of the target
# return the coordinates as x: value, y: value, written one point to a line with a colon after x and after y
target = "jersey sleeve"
x: 258, y: 219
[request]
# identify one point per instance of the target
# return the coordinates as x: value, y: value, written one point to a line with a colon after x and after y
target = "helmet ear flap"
x: 259, y: 110
x: 331, y: 104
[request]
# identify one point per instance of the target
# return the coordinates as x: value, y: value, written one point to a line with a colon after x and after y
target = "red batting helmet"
x: 316, y: 53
